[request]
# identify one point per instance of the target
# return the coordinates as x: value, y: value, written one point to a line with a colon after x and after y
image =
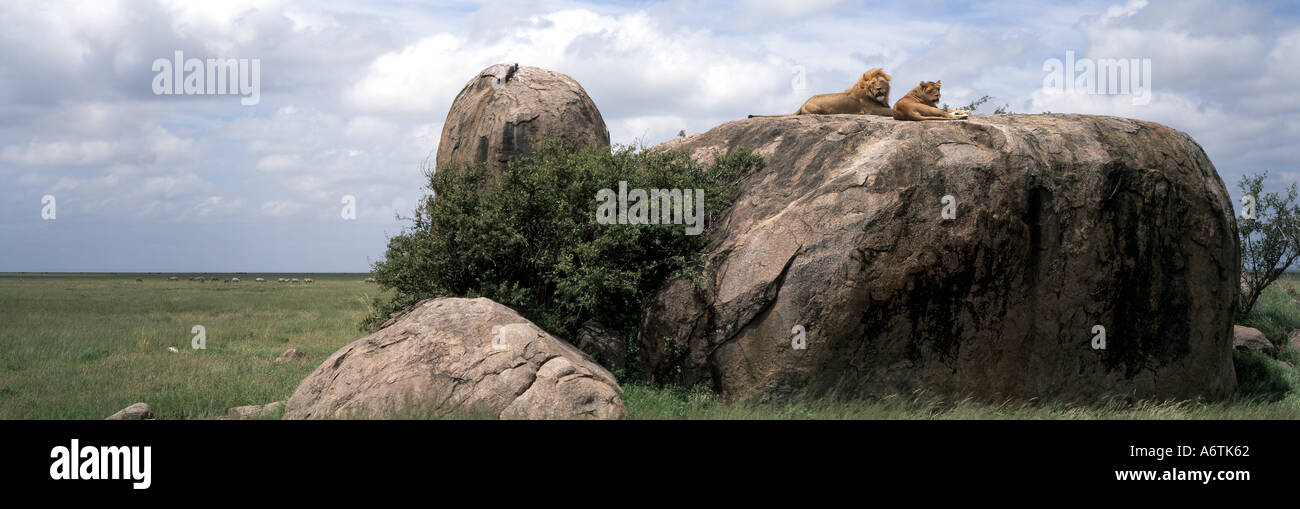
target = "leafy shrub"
x: 529, y: 238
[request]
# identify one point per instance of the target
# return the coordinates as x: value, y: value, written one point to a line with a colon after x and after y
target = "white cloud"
x: 370, y: 127
x: 168, y: 148
x: 280, y: 162
x: 1123, y: 11
x: 313, y: 21
x: 784, y: 9
x: 216, y: 206
x: 223, y: 26
x: 64, y: 153
x: 628, y: 62
x: 281, y: 208
x: 417, y: 78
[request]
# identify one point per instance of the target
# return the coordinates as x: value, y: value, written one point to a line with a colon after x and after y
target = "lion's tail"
x: 772, y: 116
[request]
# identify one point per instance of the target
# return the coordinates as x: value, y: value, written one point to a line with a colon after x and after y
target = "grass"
x: 82, y: 346
x: 1275, y: 314
x: 644, y: 402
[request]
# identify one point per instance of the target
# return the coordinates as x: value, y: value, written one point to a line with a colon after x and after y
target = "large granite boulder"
x: 980, y: 258
x: 507, y: 108
x: 458, y: 358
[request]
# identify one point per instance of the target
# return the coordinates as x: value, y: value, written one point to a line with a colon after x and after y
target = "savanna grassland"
x: 82, y: 346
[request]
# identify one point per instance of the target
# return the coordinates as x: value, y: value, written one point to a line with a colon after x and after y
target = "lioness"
x: 922, y: 104
x: 869, y: 96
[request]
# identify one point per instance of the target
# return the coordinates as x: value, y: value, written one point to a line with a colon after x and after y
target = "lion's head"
x: 927, y: 92
x: 873, y: 84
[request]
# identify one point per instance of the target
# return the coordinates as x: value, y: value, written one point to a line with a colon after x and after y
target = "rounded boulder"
x: 505, y: 110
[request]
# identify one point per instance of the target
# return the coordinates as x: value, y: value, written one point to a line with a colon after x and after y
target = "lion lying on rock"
x: 869, y: 96
x: 922, y: 104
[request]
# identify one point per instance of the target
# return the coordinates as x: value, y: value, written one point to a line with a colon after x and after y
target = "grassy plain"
x: 82, y: 346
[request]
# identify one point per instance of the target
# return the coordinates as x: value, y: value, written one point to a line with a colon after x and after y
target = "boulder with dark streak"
x: 979, y: 258
x: 504, y: 111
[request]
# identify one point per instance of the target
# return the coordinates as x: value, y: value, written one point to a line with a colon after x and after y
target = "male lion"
x: 869, y: 96
x: 922, y: 104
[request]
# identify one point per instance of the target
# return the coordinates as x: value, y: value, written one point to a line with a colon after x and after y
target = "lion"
x: 869, y: 96
x: 922, y: 104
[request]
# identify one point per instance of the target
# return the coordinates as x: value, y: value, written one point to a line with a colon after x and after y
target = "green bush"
x: 530, y: 240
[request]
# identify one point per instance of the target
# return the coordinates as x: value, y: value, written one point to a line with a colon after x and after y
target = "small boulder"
x: 1293, y: 340
x: 1251, y: 339
x: 289, y: 355
x: 450, y: 355
x: 135, y: 412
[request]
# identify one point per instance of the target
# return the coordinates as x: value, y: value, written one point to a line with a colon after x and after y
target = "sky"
x: 352, y: 98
